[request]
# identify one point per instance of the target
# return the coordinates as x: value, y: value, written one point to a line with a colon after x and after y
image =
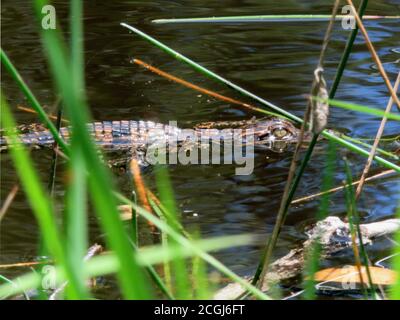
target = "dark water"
x: 273, y: 60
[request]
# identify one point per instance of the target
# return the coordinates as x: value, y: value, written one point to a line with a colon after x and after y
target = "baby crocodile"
x: 272, y: 133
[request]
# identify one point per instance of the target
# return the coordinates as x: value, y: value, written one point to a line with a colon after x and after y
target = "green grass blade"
x: 20, y: 285
x: 354, y: 223
x: 77, y: 59
x: 32, y: 100
x: 200, y: 281
x: 361, y: 151
x: 159, y: 253
x: 380, y: 150
x: 180, y: 269
x: 267, y: 18
x: 311, y: 266
x: 156, y: 278
x: 312, y: 260
x: 347, y: 51
x: 76, y: 220
x: 360, y: 108
x: 395, y: 289
x: 164, y: 243
x: 134, y: 222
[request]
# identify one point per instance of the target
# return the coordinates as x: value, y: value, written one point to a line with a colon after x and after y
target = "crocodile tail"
x: 40, y: 139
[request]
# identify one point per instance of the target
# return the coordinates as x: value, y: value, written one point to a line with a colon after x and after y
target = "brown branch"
x: 9, y: 199
x: 141, y: 188
x: 312, y: 196
x: 33, y: 111
x: 23, y: 264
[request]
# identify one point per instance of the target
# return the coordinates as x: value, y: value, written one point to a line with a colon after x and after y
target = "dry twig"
x: 376, y: 142
x: 7, y: 202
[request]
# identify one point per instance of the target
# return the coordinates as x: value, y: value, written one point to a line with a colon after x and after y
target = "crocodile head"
x: 275, y: 133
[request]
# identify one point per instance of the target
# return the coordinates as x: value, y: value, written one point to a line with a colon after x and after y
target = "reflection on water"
x: 274, y: 61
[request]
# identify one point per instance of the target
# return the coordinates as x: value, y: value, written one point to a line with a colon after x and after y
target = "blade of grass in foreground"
x: 380, y: 150
x: 312, y: 261
x: 157, y: 279
x: 164, y: 242
x: 395, y: 289
x: 39, y: 201
x: 327, y: 134
x: 134, y: 222
x: 354, y: 224
x: 32, y: 100
x: 132, y: 282
x: 76, y: 220
x: 180, y: 269
x: 267, y: 18
x: 360, y: 108
x: 199, y: 277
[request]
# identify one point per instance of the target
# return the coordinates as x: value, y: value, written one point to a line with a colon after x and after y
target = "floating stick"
x: 269, y: 18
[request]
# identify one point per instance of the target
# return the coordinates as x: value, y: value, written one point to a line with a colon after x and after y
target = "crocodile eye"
x: 280, y: 132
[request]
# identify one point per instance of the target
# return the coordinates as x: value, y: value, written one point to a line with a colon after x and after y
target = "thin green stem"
x: 156, y: 278
x: 367, y: 145
x: 179, y: 266
x: 355, y: 221
x: 32, y: 100
x: 346, y: 53
x: 266, y: 18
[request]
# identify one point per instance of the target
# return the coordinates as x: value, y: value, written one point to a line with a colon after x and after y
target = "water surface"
x: 273, y: 60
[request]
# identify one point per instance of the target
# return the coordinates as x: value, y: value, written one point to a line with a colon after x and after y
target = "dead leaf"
x: 349, y: 274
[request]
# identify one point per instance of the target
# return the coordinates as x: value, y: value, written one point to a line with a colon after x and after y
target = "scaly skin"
x: 272, y: 132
